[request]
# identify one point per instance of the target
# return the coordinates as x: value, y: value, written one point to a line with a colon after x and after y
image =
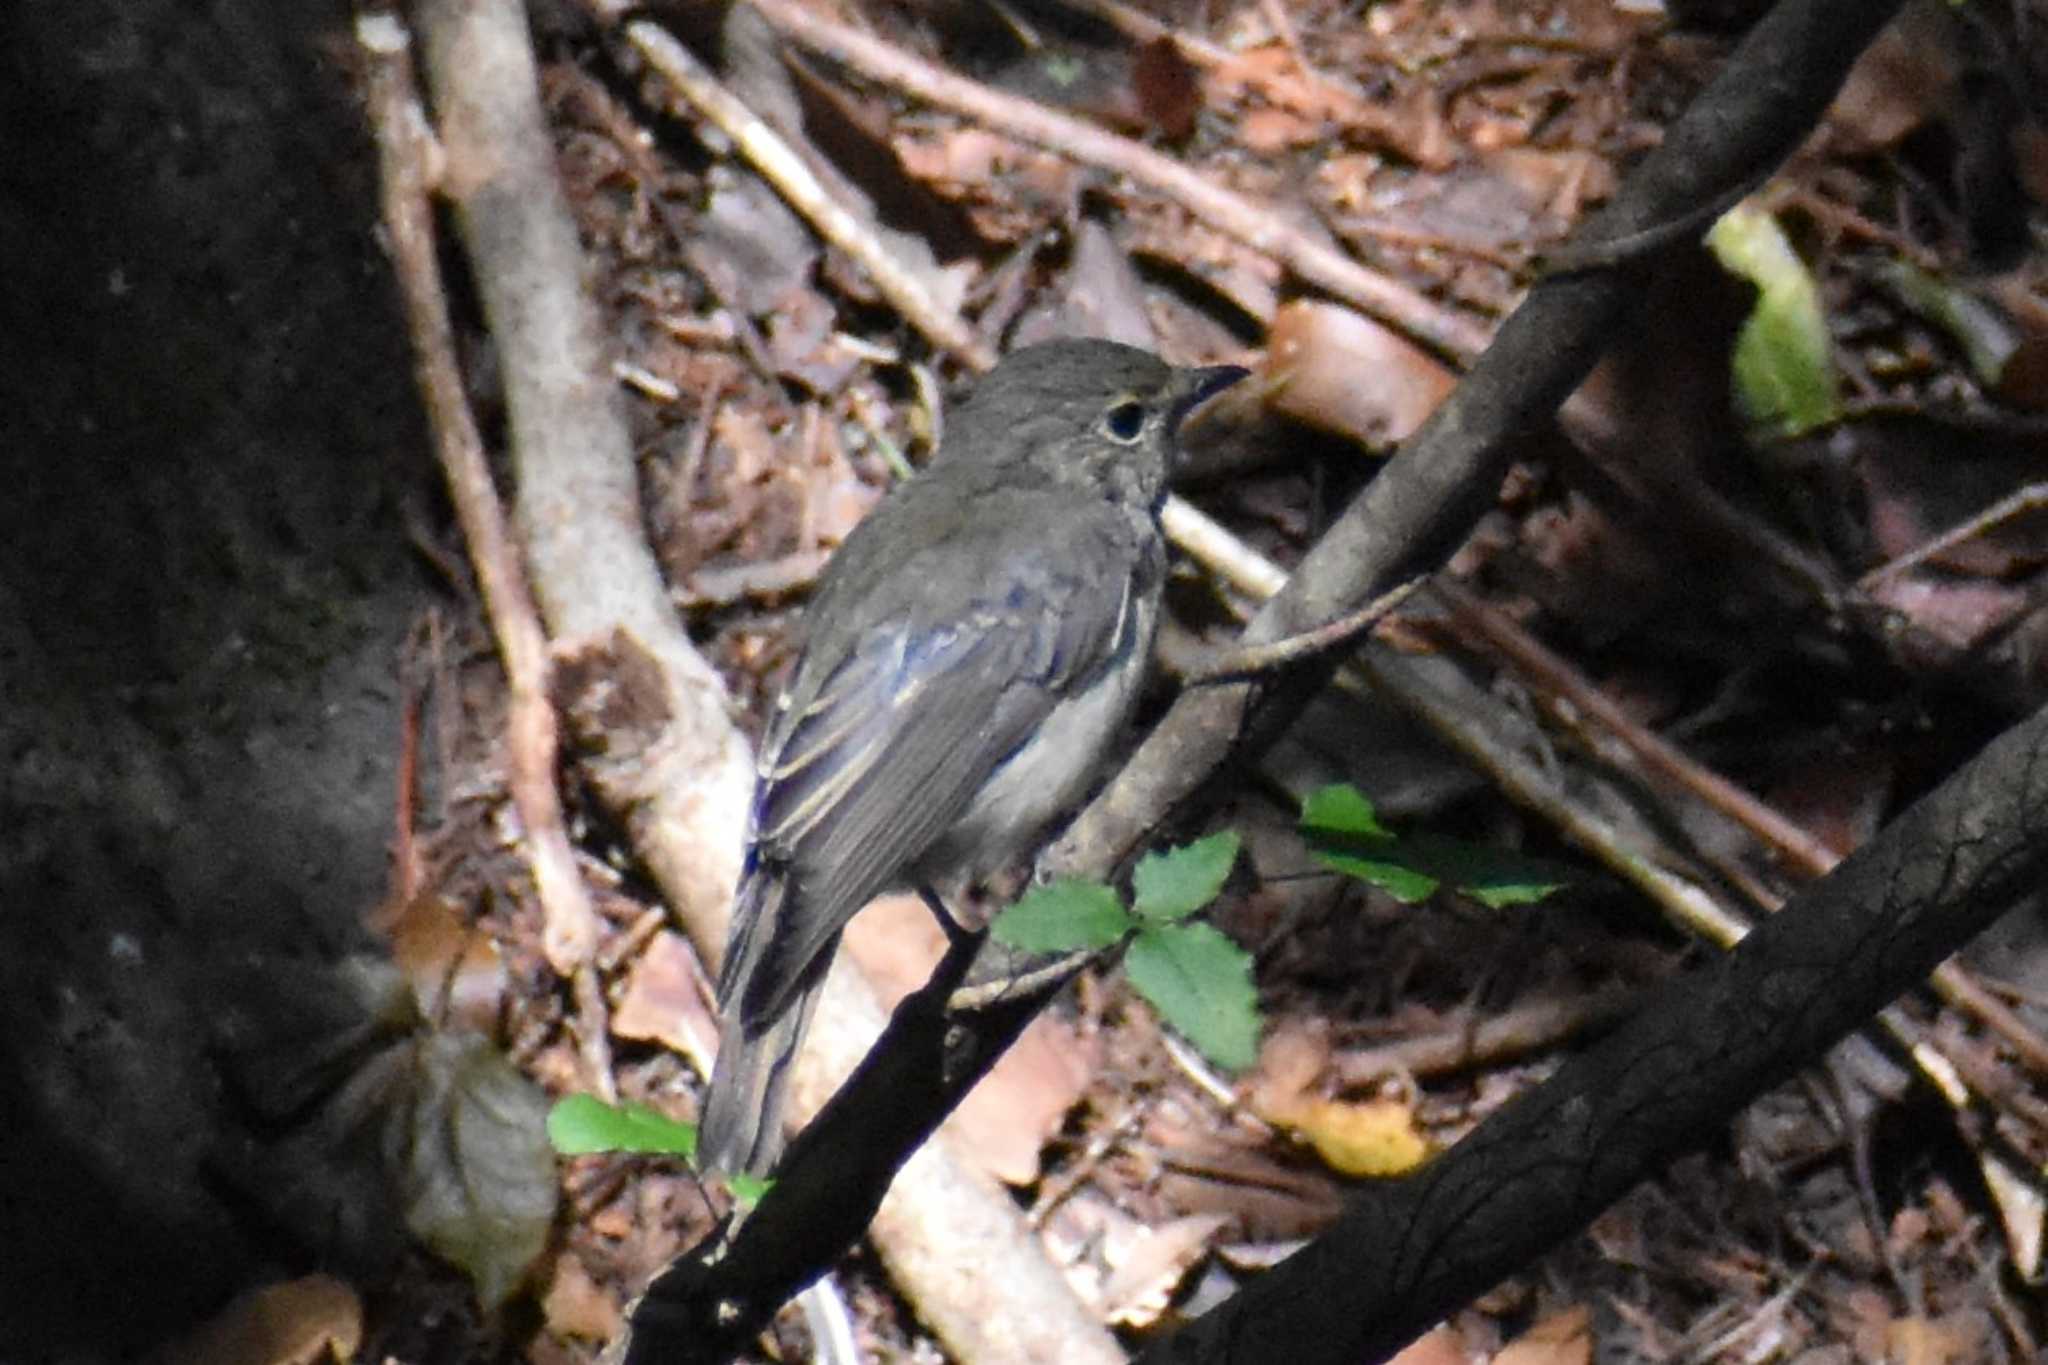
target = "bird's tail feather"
x: 740, y: 1132
x: 740, y: 1129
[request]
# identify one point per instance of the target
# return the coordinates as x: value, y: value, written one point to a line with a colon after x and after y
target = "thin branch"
x: 405, y: 148
x: 777, y: 163
x: 1250, y: 661
x: 662, y: 750
x: 1257, y: 226
x: 2030, y: 498
x: 1539, y: 666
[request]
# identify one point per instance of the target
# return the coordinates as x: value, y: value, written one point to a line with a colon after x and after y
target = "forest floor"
x: 1747, y: 626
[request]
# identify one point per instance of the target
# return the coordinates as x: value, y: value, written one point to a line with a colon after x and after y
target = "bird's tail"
x: 739, y: 1131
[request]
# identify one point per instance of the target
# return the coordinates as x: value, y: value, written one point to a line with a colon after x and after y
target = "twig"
x: 1274, y: 12
x: 2031, y: 498
x: 1249, y: 661
x: 1210, y: 544
x: 593, y: 1032
x: 1518, y: 1031
x: 768, y: 153
x: 1141, y: 27
x: 405, y: 147
x: 1235, y: 216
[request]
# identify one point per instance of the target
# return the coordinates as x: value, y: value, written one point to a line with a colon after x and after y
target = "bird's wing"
x: 877, y: 758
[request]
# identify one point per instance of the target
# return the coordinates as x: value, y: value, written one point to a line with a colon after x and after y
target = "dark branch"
x: 1408, y: 1252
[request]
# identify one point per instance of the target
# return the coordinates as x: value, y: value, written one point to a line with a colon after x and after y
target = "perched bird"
x: 970, y: 655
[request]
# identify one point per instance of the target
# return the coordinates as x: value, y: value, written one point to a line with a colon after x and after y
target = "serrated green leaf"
x: 1201, y: 983
x: 1784, y: 364
x: 1062, y: 917
x: 581, y: 1124
x: 1173, y: 885
x: 1342, y: 808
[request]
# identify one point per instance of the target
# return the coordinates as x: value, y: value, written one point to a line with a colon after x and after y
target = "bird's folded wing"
x: 876, y: 760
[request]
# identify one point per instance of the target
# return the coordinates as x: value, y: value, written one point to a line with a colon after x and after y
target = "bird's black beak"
x: 1198, y: 385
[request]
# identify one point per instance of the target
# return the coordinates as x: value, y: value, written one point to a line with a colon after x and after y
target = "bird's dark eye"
x: 1125, y: 421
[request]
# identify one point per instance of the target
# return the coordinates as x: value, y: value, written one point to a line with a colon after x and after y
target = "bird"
x: 968, y: 660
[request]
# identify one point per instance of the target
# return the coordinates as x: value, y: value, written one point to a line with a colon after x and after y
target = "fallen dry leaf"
x: 1341, y: 371
x: 299, y: 1322
x: 1377, y: 1138
x: 577, y: 1306
x: 455, y: 970
x: 1141, y: 1287
x: 1266, y: 131
x: 469, y: 1145
x: 663, y: 1004
x: 1564, y: 1338
x: 1901, y: 80
x: 1946, y: 1340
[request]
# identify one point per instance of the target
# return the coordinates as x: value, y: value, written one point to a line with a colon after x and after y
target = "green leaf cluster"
x: 1198, y: 980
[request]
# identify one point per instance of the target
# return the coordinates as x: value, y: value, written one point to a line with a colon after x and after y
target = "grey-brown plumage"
x: 971, y: 652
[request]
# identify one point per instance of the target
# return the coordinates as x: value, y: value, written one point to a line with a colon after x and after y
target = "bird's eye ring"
x: 1124, y: 421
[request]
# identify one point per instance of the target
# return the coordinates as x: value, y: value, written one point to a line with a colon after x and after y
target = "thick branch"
x: 673, y: 764
x: 1540, y: 1169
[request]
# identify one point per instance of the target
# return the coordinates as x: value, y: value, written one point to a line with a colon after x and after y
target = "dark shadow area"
x: 206, y: 423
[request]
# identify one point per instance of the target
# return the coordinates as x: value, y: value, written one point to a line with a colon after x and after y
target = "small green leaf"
x: 1201, y: 983
x: 1344, y: 835
x: 1784, y: 364
x: 747, y: 1189
x: 1376, y: 862
x: 1173, y: 885
x: 1495, y: 877
x: 1341, y: 808
x: 581, y: 1124
x: 1063, y: 916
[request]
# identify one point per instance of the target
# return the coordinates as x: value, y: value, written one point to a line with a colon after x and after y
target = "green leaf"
x: 581, y: 1124
x: 1173, y: 885
x: 748, y: 1189
x: 1784, y: 366
x: 1341, y: 808
x: 1382, y: 863
x: 1064, y: 916
x: 1495, y: 877
x: 1201, y: 983
x: 1344, y: 835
